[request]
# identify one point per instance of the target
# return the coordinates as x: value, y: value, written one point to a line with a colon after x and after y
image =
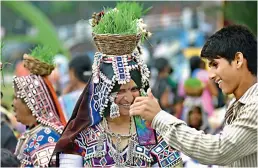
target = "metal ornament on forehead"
x: 121, y: 69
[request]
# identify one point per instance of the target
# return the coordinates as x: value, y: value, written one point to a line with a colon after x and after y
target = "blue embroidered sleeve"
x: 165, y: 155
x: 41, y: 146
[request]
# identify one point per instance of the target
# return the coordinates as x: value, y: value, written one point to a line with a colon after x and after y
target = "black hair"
x: 197, y: 109
x: 4, y: 117
x: 195, y: 63
x: 226, y: 42
x: 8, y: 159
x: 81, y: 64
x: 178, y: 99
x: 161, y: 63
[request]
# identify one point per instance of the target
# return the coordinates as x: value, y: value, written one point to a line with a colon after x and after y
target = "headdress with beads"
x: 36, y: 90
x: 117, y: 34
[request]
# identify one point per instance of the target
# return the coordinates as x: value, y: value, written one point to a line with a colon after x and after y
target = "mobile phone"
x: 146, y: 134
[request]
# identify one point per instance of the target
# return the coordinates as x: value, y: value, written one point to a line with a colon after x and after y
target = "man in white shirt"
x: 232, y: 55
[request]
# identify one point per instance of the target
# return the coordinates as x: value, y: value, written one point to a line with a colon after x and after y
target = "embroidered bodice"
x: 98, y: 153
x: 35, y: 147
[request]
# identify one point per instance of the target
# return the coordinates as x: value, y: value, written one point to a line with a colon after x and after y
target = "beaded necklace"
x: 117, y: 156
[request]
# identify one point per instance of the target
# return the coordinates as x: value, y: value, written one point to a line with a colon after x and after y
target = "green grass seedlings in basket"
x: 44, y: 54
x: 134, y: 7
x: 122, y: 20
x: 116, y: 22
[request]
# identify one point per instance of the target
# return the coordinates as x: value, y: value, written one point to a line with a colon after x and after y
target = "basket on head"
x: 115, y: 44
x: 193, y: 87
x: 193, y: 92
x: 36, y: 66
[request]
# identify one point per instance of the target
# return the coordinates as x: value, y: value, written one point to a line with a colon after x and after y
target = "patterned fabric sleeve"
x: 26, y: 162
x: 164, y: 155
x: 41, y: 146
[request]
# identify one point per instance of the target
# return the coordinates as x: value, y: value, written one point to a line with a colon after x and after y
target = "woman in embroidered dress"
x: 36, y: 106
x: 100, y: 131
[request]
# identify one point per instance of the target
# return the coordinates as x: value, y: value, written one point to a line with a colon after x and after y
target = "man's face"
x: 226, y: 75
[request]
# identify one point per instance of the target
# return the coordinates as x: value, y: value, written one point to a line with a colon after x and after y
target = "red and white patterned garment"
x: 35, y: 146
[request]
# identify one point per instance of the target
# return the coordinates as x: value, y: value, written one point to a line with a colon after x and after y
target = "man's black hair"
x: 226, y: 42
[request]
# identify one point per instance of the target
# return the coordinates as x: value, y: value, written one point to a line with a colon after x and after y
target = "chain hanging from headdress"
x: 117, y: 156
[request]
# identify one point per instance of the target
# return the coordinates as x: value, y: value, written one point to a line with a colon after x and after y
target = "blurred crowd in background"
x: 179, y: 78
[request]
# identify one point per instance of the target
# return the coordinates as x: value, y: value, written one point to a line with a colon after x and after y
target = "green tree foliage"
x: 242, y: 12
x: 46, y: 35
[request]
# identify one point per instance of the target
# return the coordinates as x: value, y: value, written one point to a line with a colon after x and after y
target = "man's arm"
x: 235, y: 141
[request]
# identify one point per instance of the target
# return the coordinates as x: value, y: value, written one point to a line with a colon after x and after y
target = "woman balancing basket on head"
x: 36, y: 106
x: 100, y: 132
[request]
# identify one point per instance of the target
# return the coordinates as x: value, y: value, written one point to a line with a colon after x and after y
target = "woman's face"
x: 125, y: 97
x: 195, y: 119
x: 22, y: 112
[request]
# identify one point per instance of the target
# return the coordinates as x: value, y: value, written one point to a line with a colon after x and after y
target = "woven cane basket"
x: 196, y: 92
x: 115, y: 44
x: 37, y: 67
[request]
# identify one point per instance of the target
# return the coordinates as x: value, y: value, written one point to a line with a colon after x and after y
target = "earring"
x: 114, y: 109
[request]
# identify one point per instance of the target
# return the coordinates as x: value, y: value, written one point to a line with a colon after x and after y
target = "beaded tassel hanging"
x: 100, y: 145
x: 111, y: 84
x: 95, y: 67
x: 114, y: 109
x: 131, y: 146
x: 145, y: 73
x: 118, y: 157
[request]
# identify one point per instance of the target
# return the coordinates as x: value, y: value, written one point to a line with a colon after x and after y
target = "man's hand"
x: 146, y: 107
